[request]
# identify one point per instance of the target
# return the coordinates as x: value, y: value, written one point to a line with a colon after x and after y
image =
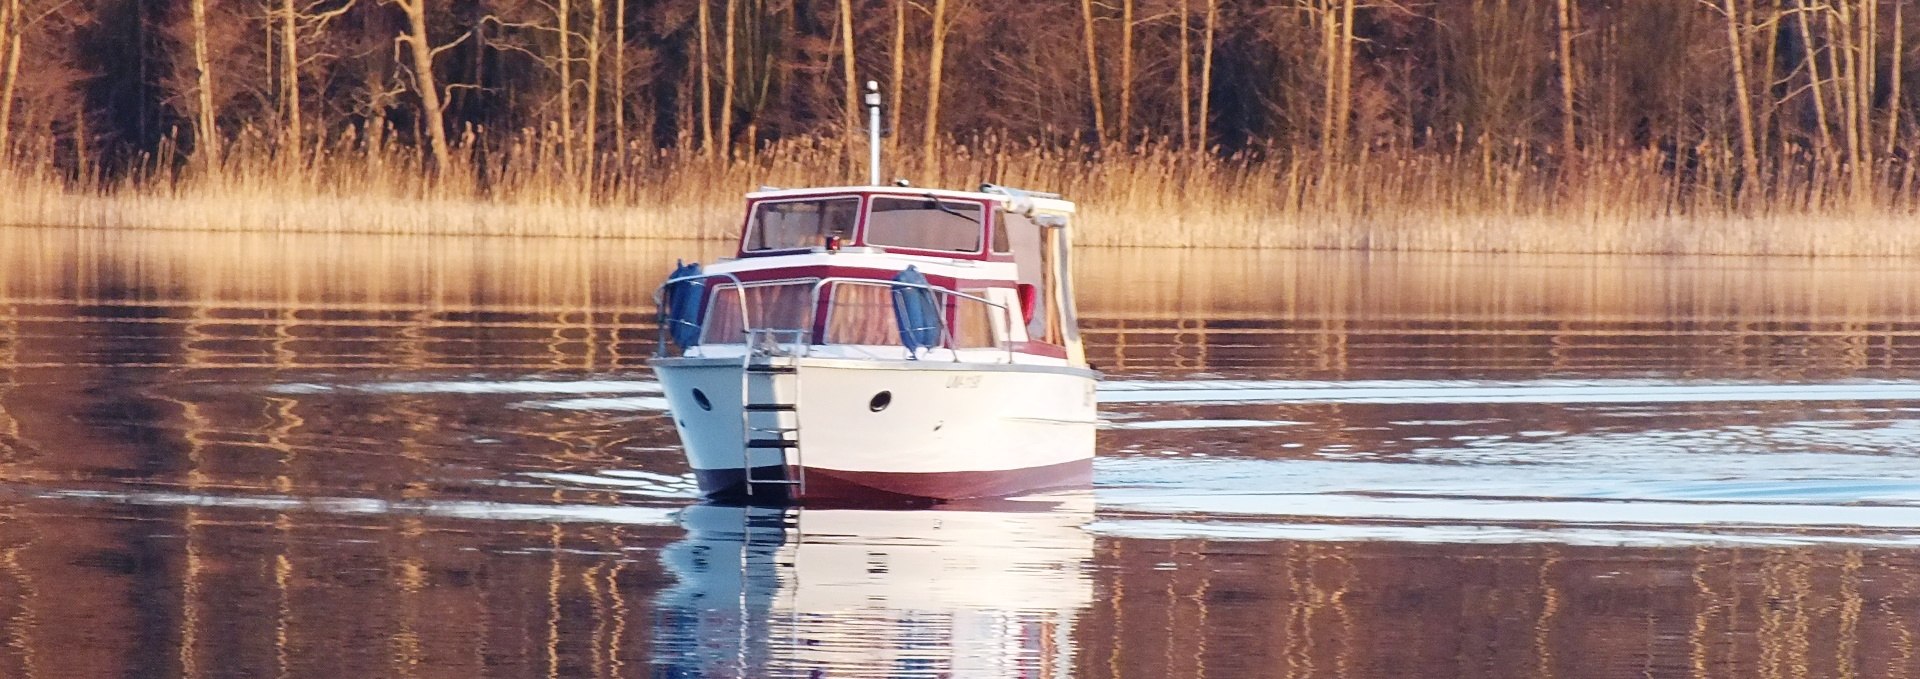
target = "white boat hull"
x: 880, y: 430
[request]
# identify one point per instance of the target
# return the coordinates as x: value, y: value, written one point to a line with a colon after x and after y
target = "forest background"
x: 1656, y: 126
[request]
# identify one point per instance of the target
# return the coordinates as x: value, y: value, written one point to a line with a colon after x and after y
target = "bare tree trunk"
x: 290, y: 81
x: 850, y: 122
x: 206, y: 139
x: 1869, y: 29
x: 1866, y: 17
x: 422, y: 51
x: 594, y: 49
x: 1815, y: 83
x: 1093, y: 74
x: 1343, y: 114
x: 619, y: 81
x: 1851, y: 97
x: 726, y: 88
x: 1186, y: 82
x: 1893, y: 96
x: 1567, y: 149
x: 562, y: 13
x: 899, y: 73
x: 1749, y: 164
x: 706, y: 82
x: 1767, y: 128
x: 1206, y: 73
x: 1330, y: 51
x: 1869, y: 54
x: 10, y: 38
x: 930, y: 135
x: 1125, y: 132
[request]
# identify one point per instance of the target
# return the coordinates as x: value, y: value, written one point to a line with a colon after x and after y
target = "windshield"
x: 793, y: 224
x: 925, y: 224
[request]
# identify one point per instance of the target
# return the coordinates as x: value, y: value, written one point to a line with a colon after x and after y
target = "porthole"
x: 700, y: 399
x: 880, y: 401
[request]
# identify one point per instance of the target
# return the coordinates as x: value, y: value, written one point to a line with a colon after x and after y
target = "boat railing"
x: 948, y: 299
x: 800, y: 341
x: 662, y: 303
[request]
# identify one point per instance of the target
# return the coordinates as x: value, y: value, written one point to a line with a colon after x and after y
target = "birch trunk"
x: 1736, y: 47
x: 422, y: 52
x: 206, y: 135
x: 10, y: 38
x: 290, y: 80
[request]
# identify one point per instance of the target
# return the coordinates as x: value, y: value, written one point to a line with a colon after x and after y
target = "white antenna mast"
x: 873, y: 133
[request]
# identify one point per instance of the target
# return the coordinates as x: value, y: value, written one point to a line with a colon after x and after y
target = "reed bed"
x: 1148, y: 195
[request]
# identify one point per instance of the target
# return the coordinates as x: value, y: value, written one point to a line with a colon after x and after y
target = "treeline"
x: 1748, y: 101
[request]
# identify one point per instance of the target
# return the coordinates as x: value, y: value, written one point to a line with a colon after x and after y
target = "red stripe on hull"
x: 841, y: 486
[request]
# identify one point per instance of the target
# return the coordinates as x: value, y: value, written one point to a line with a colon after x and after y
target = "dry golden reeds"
x: 1644, y: 202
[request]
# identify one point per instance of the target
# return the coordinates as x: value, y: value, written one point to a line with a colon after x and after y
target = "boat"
x: 882, y: 344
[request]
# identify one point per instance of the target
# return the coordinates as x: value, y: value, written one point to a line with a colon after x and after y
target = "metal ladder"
x: 757, y: 408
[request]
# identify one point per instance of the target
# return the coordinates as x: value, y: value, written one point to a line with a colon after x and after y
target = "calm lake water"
x: 314, y: 456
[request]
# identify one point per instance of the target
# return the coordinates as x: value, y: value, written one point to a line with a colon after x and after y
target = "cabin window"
x: 861, y: 314
x: 797, y: 224
x: 1031, y: 264
x: 1001, y: 243
x: 973, y: 325
x: 780, y: 307
x: 925, y: 224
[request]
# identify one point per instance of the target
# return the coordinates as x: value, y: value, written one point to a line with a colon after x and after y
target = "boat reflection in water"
x: 977, y: 590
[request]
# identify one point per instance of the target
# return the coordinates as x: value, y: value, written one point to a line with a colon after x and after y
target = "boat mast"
x: 873, y: 133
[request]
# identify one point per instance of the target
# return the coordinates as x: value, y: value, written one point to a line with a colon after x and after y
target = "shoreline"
x: 1419, y: 203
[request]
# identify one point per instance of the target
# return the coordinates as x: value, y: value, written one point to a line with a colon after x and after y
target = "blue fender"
x: 917, y: 311
x: 683, y: 304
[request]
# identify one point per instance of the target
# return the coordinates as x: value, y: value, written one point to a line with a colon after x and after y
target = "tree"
x: 1126, y: 70
x: 290, y: 80
x: 562, y: 13
x: 899, y: 73
x: 1186, y: 72
x: 1743, y: 101
x: 851, y: 120
x: 1206, y: 72
x: 421, y: 49
x: 1565, y: 66
x: 726, y: 88
x: 930, y: 134
x: 1093, y: 72
x: 706, y: 81
x: 594, y: 49
x: 11, y: 25
x: 206, y: 138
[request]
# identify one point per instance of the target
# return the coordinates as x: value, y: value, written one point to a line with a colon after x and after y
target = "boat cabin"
x: 881, y: 271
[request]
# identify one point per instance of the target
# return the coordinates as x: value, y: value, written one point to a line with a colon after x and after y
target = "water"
x: 308, y: 456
